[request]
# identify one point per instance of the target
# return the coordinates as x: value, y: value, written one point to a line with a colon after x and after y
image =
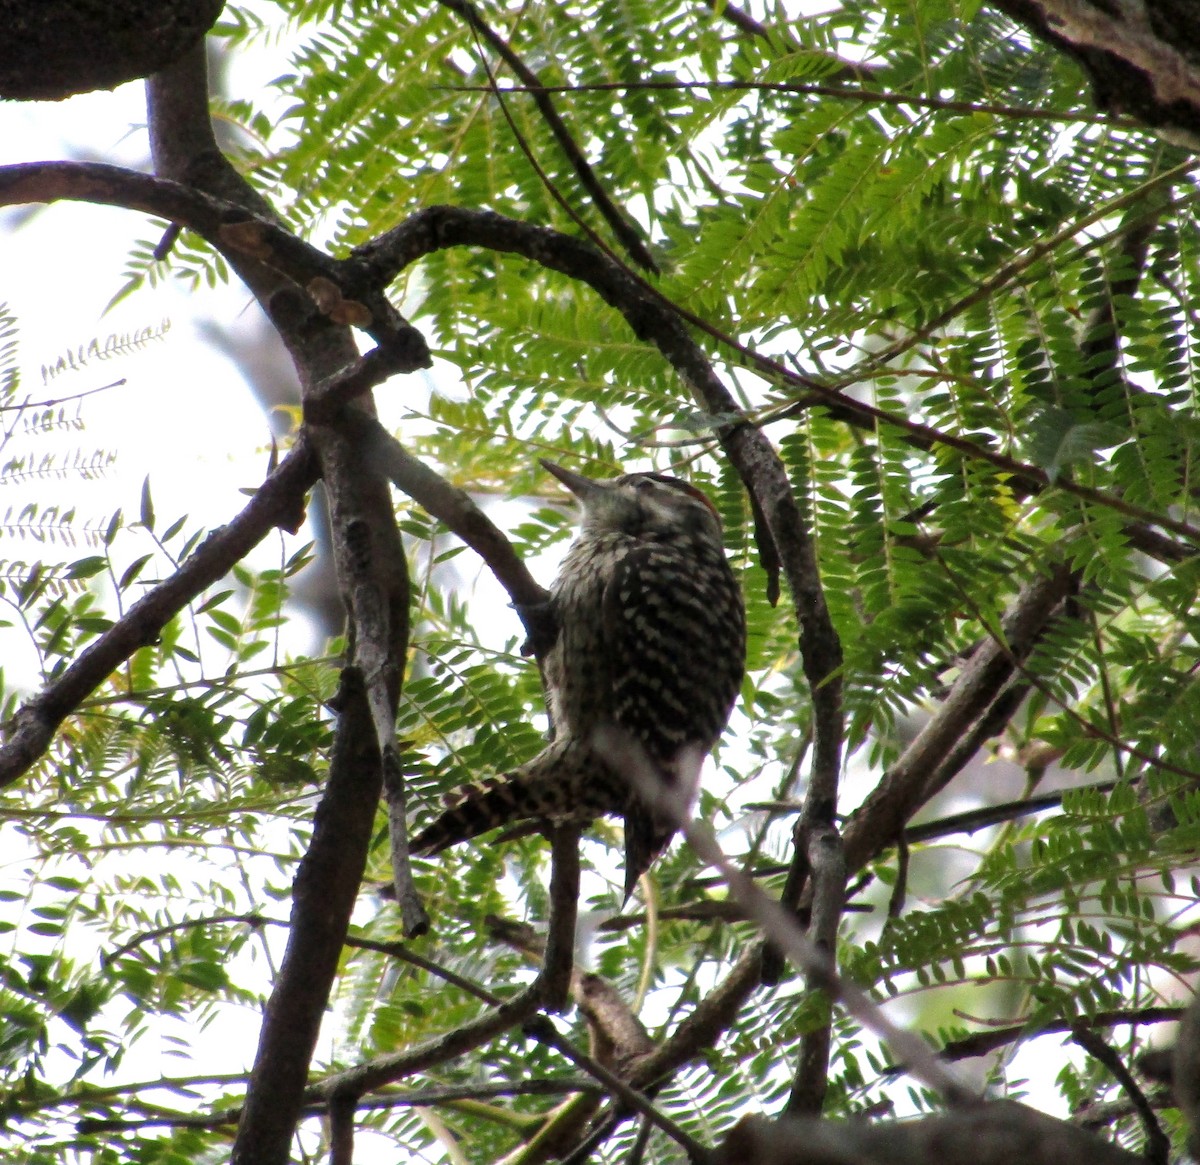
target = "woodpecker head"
x: 644, y: 505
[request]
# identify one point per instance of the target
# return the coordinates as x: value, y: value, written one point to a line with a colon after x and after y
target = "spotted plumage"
x: 651, y: 643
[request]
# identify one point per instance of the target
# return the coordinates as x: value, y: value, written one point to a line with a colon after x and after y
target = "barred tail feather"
x: 564, y: 782
x: 474, y: 809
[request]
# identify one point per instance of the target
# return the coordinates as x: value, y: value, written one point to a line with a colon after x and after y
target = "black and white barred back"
x: 651, y: 648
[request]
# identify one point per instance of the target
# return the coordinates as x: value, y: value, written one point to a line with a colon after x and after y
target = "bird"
x: 643, y: 671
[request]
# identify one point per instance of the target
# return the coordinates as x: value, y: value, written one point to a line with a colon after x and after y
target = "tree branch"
x: 922, y: 770
x: 1158, y: 1144
x: 1140, y: 58
x: 372, y: 575
x: 234, y: 220
x: 992, y: 1134
x: 982, y: 1042
x: 413, y: 1098
x: 825, y: 859
x: 459, y: 513
x: 279, y: 501
x: 323, y: 898
x: 619, y: 223
x: 651, y: 316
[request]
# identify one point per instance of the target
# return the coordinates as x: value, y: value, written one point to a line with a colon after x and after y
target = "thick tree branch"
x: 740, y: 19
x: 234, y: 219
x: 372, y: 575
x: 379, y: 628
x: 1143, y: 59
x: 825, y: 860
x: 705, y: 1024
x: 992, y: 1134
x: 658, y: 321
x: 323, y: 897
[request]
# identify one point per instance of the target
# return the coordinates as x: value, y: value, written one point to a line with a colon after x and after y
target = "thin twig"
x: 838, y: 92
x: 981, y: 1043
x: 1158, y: 1144
x: 415, y: 1098
x: 252, y: 920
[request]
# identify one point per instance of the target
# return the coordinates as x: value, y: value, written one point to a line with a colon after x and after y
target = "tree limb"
x: 372, y: 575
x: 323, y: 897
x: 279, y: 501
x: 921, y: 770
x: 992, y: 1134
x: 1141, y: 58
x: 619, y: 223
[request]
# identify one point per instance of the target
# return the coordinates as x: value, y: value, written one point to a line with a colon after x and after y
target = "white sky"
x: 60, y: 269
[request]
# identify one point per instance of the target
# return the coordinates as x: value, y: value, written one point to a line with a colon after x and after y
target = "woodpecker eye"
x: 658, y: 481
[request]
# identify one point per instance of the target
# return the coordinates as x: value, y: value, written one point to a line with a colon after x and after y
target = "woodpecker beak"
x: 584, y: 488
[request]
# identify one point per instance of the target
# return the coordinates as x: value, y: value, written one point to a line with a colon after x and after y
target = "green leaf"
x: 1055, y: 440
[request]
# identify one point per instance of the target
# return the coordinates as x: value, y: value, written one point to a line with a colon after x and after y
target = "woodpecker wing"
x: 675, y: 645
x: 674, y: 634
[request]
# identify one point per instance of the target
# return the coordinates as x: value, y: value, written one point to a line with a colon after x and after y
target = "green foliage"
x: 956, y: 254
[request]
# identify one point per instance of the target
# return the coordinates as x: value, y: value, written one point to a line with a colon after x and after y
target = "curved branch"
x: 231, y: 229
x: 239, y: 225
x: 656, y: 320
x: 1158, y: 1144
x: 620, y: 223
